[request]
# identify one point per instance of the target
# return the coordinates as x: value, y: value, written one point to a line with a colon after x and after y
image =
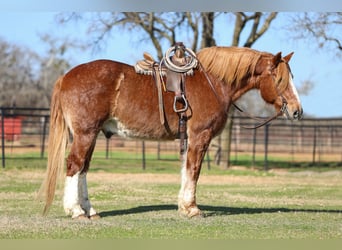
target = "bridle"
x: 263, y: 122
x: 283, y: 110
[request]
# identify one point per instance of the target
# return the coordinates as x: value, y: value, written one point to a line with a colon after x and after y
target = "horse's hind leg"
x: 191, y: 169
x: 83, y: 188
x: 75, y: 201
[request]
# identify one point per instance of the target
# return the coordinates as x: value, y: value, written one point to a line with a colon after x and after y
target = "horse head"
x: 276, y: 86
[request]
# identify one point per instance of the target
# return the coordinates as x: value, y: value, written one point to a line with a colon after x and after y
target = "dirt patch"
x: 329, y: 178
x: 278, y: 177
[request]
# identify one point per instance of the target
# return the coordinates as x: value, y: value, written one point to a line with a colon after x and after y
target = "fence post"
x: 254, y: 146
x: 208, y: 159
x: 3, y: 137
x: 143, y: 156
x: 158, y: 150
x: 314, y: 146
x: 266, y: 148
x: 107, y: 148
x: 43, y: 137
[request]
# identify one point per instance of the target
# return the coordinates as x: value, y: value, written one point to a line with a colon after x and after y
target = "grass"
x: 239, y: 203
x: 132, y: 162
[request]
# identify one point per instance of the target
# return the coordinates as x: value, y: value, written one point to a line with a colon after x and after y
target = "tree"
x: 16, y: 71
x: 26, y: 78
x: 323, y: 27
x: 156, y: 28
x: 53, y: 65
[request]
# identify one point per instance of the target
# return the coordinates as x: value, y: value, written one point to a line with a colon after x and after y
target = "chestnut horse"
x: 110, y: 96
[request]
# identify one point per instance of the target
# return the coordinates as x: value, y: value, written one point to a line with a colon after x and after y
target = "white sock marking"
x: 71, y: 196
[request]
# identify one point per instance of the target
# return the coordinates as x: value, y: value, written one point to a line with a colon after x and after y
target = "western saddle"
x: 174, y: 67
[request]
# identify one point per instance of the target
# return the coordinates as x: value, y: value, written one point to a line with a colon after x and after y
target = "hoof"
x: 192, y: 212
x: 95, y: 217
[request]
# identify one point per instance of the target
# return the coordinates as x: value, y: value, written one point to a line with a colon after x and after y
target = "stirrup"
x: 180, y: 98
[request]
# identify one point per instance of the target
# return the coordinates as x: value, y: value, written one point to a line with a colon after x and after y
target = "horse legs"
x: 76, y: 202
x: 191, y: 169
x: 83, y: 187
x: 84, y: 198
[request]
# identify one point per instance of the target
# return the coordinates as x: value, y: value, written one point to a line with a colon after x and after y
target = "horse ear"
x: 276, y: 59
x: 288, y: 57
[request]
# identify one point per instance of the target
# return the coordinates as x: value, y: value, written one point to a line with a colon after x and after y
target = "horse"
x: 109, y: 96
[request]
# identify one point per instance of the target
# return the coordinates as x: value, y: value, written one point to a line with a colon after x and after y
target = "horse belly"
x: 114, y: 127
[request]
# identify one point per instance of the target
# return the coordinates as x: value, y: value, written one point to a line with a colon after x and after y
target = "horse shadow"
x: 214, y: 210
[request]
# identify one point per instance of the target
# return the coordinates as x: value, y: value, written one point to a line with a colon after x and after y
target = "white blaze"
x: 293, y: 88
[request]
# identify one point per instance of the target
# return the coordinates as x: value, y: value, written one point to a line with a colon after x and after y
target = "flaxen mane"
x: 229, y: 64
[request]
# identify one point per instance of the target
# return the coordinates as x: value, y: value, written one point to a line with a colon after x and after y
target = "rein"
x: 263, y: 121
x: 283, y: 110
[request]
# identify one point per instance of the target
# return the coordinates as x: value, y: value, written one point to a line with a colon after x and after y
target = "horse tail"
x: 58, y: 139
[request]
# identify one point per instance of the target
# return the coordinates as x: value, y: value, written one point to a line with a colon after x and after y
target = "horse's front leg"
x: 191, y: 169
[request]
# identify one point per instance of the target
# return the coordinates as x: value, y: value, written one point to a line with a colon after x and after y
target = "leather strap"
x: 263, y: 121
x: 158, y: 82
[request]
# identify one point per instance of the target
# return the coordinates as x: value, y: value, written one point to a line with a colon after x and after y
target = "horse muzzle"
x: 297, y: 114
x: 291, y: 112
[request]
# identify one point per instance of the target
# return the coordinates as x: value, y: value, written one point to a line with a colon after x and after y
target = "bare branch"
x: 240, y: 22
x: 322, y: 27
x: 255, y: 34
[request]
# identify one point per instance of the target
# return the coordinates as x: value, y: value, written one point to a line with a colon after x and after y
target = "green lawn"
x: 239, y: 203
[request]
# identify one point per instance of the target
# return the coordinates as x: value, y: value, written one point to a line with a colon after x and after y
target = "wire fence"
x: 312, y: 142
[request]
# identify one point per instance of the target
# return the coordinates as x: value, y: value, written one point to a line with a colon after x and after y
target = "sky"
x: 308, y: 63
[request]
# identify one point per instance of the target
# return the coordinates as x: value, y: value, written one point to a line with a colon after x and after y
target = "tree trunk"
x: 207, y: 29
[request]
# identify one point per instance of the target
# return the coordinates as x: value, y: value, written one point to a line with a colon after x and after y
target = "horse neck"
x: 221, y: 90
x: 247, y: 85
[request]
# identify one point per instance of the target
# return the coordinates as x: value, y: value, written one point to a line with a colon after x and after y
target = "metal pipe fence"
x: 24, y: 134
x: 314, y: 141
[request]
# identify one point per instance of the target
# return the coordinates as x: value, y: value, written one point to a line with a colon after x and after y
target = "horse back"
x: 103, y: 90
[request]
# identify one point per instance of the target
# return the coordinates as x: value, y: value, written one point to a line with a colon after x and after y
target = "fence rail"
x: 314, y: 141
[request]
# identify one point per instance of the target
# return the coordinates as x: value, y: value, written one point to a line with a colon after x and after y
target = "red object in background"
x: 12, y: 128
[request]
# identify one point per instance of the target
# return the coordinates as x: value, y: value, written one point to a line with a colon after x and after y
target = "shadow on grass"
x: 137, y: 210
x: 219, y: 210
x: 215, y: 210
